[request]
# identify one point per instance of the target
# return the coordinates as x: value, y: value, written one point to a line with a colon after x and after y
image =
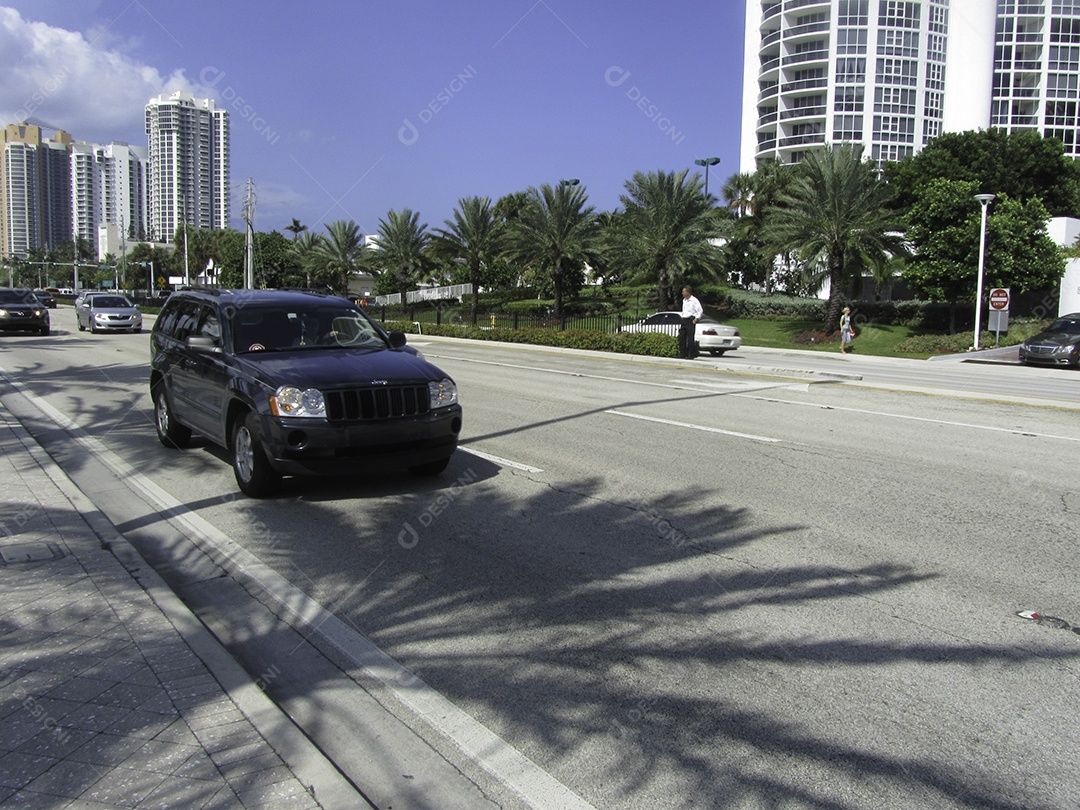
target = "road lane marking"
x: 502, y: 462
x: 992, y: 428
x: 695, y: 427
x: 519, y: 774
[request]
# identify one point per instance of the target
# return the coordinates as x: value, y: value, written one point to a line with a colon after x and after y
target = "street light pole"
x: 707, y: 162
x: 984, y: 201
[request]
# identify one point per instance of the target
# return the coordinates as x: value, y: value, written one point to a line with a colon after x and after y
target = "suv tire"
x: 170, y: 432
x: 253, y: 472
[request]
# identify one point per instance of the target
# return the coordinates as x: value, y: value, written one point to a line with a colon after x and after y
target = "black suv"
x: 296, y: 383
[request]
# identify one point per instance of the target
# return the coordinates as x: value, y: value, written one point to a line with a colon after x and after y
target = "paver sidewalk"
x: 103, y: 703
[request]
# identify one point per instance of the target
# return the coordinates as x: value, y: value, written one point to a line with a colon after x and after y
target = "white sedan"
x: 711, y: 335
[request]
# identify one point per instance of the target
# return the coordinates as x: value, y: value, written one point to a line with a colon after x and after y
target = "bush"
x: 649, y: 344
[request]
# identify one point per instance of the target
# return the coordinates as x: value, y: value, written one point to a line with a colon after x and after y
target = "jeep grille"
x: 364, y: 404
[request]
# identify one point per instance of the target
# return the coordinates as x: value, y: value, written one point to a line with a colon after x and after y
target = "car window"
x: 186, y: 320
x: 306, y: 327
x: 108, y: 302
x: 210, y: 326
x: 11, y: 296
x: 1066, y: 326
x: 167, y: 319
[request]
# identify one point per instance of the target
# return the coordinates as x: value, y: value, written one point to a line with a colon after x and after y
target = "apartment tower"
x: 188, y: 146
x: 892, y: 74
x: 35, y: 189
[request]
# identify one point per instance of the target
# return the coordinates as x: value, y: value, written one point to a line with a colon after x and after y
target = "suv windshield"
x: 327, y: 326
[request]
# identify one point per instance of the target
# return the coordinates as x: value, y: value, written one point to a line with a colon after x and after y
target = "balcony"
x: 804, y: 84
x: 801, y: 140
x: 803, y: 112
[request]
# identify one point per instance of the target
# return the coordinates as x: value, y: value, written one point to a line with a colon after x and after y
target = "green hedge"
x: 649, y: 344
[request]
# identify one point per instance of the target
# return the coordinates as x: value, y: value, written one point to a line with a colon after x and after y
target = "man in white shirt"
x: 691, y: 311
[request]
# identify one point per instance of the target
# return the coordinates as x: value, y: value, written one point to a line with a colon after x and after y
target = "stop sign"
x: 999, y: 298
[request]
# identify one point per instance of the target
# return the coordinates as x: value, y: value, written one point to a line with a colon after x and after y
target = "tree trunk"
x: 836, y: 297
x: 474, y: 279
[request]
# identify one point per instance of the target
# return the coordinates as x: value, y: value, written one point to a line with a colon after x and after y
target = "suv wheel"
x: 170, y: 432
x: 253, y: 472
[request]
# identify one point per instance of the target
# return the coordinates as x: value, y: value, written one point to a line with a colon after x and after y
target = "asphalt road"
x: 660, y: 584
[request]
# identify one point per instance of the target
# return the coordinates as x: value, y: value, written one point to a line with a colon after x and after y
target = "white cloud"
x: 59, y: 77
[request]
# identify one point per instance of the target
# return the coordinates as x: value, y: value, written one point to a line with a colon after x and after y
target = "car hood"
x: 339, y: 368
x: 116, y: 310
x: 1053, y: 339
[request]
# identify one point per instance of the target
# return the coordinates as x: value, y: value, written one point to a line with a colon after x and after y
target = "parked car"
x: 292, y: 383
x: 1057, y: 345
x: 102, y: 312
x: 21, y: 311
x: 711, y: 335
x: 46, y: 297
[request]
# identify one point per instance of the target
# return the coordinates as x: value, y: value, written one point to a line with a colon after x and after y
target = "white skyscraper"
x: 188, y: 140
x: 109, y: 187
x: 893, y: 74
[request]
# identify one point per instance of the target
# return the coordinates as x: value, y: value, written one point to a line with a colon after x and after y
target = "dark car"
x: 294, y: 383
x: 21, y: 311
x: 1057, y: 345
x: 46, y: 297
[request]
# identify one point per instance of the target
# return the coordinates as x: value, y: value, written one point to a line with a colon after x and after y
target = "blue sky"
x: 347, y: 109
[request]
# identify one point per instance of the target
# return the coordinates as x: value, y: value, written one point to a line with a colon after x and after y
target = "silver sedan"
x: 108, y: 313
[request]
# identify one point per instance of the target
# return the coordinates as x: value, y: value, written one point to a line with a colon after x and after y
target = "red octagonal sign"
x: 999, y: 298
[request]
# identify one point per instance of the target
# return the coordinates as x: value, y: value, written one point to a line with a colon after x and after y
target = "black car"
x: 21, y: 311
x: 1057, y: 345
x: 295, y: 383
x: 46, y: 297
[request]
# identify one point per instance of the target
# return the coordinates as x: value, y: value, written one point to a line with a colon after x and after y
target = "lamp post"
x: 984, y: 201
x: 707, y: 162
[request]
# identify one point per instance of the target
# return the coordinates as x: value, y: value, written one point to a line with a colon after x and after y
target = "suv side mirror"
x: 397, y: 339
x: 202, y: 344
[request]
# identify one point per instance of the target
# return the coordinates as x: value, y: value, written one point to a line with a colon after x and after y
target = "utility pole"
x: 249, y: 253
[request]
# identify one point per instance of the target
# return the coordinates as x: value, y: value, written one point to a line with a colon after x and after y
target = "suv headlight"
x: 291, y: 401
x: 442, y: 393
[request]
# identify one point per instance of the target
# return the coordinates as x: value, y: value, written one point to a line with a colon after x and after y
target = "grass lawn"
x: 781, y: 334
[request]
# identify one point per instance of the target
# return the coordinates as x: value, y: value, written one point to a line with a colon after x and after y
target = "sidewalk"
x: 111, y: 691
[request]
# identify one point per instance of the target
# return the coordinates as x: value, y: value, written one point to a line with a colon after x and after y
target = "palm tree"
x: 403, y: 242
x: 305, y: 249
x: 835, y: 217
x: 670, y: 223
x: 475, y: 236
x: 339, y: 255
x: 296, y: 228
x: 557, y: 232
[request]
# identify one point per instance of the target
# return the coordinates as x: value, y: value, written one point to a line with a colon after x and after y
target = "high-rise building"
x: 188, y: 140
x: 108, y: 187
x: 35, y: 189
x: 893, y: 74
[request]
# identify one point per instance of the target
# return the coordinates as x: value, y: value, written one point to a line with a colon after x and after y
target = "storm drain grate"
x: 30, y: 552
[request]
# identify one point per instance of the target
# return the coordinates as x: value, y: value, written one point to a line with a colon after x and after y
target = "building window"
x: 1064, y: 57
x: 848, y: 128
x: 931, y: 129
x: 853, y: 12
x: 897, y: 71
x: 1061, y: 85
x: 1064, y: 30
x: 894, y: 128
x: 898, y: 14
x: 851, y: 40
x: 897, y: 42
x: 1061, y: 114
x: 933, y: 105
x: 895, y: 100
x: 890, y: 152
x: 939, y: 20
x: 848, y: 99
x: 935, y: 77
x: 850, y: 70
